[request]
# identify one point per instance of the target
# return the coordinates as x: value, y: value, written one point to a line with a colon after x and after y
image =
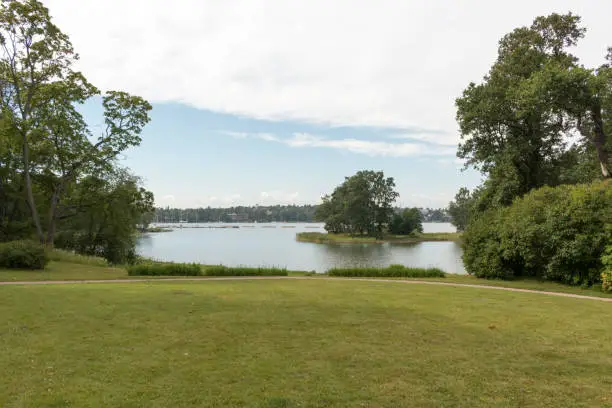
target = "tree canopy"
x: 407, y: 222
x: 538, y: 122
x: 362, y: 204
x: 518, y: 124
x: 51, y: 163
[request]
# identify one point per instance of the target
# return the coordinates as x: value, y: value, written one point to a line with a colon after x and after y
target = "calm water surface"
x: 275, y: 245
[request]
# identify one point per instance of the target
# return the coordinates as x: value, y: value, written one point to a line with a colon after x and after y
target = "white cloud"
x: 278, y: 197
x: 430, y: 137
x: 353, y: 62
x: 168, y: 198
x: 368, y: 147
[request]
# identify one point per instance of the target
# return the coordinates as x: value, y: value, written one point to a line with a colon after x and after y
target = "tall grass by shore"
x: 392, y: 271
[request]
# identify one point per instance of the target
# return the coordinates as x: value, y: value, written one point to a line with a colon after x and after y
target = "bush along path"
x: 237, y: 278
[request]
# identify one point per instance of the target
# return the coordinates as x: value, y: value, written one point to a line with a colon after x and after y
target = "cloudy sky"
x: 275, y: 101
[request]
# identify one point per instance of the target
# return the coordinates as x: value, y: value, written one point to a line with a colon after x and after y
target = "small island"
x: 360, y: 211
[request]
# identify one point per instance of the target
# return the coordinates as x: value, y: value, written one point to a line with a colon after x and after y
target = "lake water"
x: 275, y: 245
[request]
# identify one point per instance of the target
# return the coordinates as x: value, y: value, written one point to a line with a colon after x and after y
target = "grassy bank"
x: 75, y: 267
x: 296, y: 344
x: 323, y: 238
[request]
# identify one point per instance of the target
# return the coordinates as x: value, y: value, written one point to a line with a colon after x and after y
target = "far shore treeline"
x: 264, y: 213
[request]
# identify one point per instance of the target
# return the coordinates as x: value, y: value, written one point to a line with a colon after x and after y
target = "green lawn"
x: 323, y: 238
x: 62, y: 270
x: 306, y: 343
x: 58, y: 270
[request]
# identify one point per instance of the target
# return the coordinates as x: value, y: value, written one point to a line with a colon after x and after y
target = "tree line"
x: 273, y: 213
x: 537, y: 127
x: 60, y: 181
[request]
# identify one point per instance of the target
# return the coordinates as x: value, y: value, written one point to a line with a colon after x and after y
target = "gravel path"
x: 408, y: 282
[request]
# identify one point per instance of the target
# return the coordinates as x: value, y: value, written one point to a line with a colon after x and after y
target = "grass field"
x: 324, y: 238
x: 306, y: 343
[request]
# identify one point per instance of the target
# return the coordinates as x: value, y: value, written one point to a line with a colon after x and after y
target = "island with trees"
x: 360, y: 210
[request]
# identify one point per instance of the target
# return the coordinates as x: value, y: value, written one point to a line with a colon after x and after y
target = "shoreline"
x: 325, y: 238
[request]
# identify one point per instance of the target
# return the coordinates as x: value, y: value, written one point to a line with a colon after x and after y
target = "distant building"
x: 238, y: 217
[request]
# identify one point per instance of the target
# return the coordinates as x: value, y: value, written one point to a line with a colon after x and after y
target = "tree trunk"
x: 53, y: 216
x: 599, y: 141
x: 28, y: 186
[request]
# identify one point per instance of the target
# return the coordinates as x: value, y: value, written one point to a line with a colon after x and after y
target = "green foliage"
x: 516, y: 124
x: 606, y: 275
x: 106, y: 228
x: 23, y: 255
x: 49, y: 155
x: 221, y: 270
x: 482, y: 255
x: 362, y: 205
x: 556, y: 234
x: 407, y: 223
x: 165, y: 269
x: 392, y: 271
x: 461, y: 208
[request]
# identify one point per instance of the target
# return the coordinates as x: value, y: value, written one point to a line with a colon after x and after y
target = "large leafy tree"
x: 516, y: 124
x: 39, y: 95
x: 35, y: 56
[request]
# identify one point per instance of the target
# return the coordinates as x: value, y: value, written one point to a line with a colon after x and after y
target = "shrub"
x: 116, y: 250
x: 23, y: 255
x: 553, y: 233
x: 165, y: 269
x: 606, y: 275
x: 482, y: 254
x: 220, y: 270
x: 394, y: 271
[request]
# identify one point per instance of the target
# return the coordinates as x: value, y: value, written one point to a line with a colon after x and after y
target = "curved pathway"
x: 233, y: 278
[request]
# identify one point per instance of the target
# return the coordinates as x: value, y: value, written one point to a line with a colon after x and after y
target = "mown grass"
x: 58, y: 270
x: 324, y: 238
x: 307, y: 343
x: 58, y: 255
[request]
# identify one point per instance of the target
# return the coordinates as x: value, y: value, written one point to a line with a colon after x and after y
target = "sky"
x: 276, y: 101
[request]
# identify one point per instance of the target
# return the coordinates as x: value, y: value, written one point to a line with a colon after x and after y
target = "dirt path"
x: 409, y: 282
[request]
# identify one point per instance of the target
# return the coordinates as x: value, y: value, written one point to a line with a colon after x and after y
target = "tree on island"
x: 407, y: 222
x: 361, y: 205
